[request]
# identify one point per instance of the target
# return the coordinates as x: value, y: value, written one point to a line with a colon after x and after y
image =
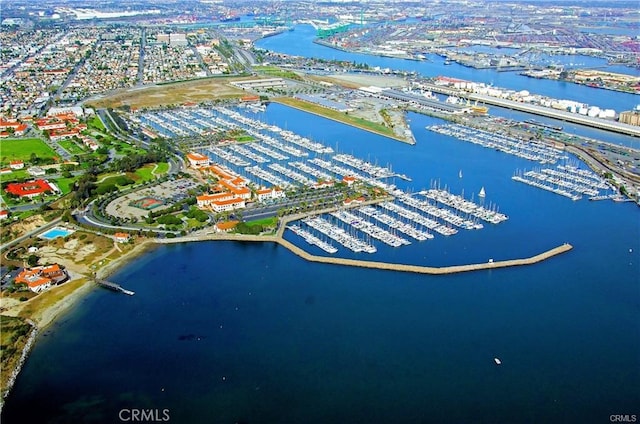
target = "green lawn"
x: 71, y: 147
x: 65, y: 184
x: 267, y: 222
x: 95, y: 122
x: 145, y: 173
x: 274, y: 71
x: 21, y: 149
x: 163, y: 168
x: 20, y: 174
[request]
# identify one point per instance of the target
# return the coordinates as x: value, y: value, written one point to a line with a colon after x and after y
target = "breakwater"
x: 490, y: 264
x: 420, y: 269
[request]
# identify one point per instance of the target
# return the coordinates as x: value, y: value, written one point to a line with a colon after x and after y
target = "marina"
x: 528, y: 149
x: 370, y: 229
x: 466, y: 206
x: 568, y: 181
x: 408, y: 228
x: 311, y: 239
x: 338, y: 234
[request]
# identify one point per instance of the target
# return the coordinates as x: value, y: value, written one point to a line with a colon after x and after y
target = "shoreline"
x: 41, y: 319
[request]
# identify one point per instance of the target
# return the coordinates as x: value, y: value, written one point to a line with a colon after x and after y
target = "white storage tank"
x: 593, y: 111
x: 608, y: 114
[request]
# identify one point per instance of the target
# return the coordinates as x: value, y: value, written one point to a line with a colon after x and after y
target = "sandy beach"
x: 45, y: 308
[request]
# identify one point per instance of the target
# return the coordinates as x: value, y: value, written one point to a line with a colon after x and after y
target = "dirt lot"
x: 178, y: 93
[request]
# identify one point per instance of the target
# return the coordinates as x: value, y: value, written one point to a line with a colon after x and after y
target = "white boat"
x: 460, y: 174
x: 497, y: 361
x: 482, y: 193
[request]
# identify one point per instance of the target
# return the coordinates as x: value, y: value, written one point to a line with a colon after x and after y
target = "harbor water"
x: 231, y: 332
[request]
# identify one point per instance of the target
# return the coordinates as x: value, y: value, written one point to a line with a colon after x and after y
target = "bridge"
x: 113, y: 286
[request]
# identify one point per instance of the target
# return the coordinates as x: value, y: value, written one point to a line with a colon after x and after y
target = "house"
x: 30, y: 189
x: 198, y: 160
x: 43, y: 277
x: 322, y: 184
x: 18, y: 129
x: 351, y: 202
x: 269, y: 193
x: 4, y: 214
x: 121, y: 237
x: 238, y: 191
x: 224, y: 227
x: 228, y: 205
x: 16, y: 164
x: 205, y: 200
x: 349, y: 179
x: 250, y: 98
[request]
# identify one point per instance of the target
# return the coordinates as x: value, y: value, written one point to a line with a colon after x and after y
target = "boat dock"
x: 113, y: 286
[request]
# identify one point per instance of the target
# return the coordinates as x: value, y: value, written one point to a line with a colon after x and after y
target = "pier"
x: 113, y: 286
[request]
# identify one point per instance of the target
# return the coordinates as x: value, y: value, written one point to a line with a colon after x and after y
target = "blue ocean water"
x: 223, y: 332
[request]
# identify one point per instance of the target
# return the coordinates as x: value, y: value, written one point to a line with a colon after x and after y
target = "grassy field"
x: 20, y: 174
x: 338, y: 116
x: 65, y: 184
x: 145, y: 173
x: 96, y: 123
x: 274, y: 71
x: 21, y: 149
x: 162, y: 168
x: 267, y: 222
x: 71, y: 147
x: 200, y: 90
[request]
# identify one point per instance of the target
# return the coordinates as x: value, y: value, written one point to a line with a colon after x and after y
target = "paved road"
x: 30, y: 234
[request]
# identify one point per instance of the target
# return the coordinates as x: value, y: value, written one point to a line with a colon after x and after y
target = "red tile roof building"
x: 16, y: 164
x: 121, y: 237
x: 42, y: 277
x: 18, y: 128
x: 30, y: 189
x: 197, y: 160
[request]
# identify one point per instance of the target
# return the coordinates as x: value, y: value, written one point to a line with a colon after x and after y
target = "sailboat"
x: 460, y: 174
x: 482, y: 193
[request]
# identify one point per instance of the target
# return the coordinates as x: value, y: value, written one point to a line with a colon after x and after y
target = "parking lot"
x: 169, y: 192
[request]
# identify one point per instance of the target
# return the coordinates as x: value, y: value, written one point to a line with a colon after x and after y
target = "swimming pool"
x: 55, y: 232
